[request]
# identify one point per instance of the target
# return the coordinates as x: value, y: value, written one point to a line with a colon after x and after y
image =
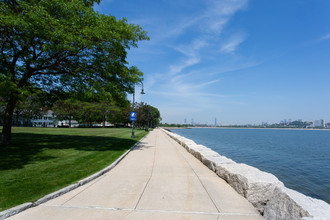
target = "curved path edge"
x: 269, y: 195
x: 20, y: 208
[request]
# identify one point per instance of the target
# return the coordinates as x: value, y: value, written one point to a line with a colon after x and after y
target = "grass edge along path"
x: 40, y: 161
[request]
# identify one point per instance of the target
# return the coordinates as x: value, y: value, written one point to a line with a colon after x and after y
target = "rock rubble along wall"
x: 269, y: 195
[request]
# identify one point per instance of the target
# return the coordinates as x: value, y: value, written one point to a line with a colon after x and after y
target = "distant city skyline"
x: 315, y: 122
x: 242, y: 61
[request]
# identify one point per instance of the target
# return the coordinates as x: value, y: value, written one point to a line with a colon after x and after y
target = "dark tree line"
x: 85, y: 110
x: 101, y: 112
x: 93, y: 111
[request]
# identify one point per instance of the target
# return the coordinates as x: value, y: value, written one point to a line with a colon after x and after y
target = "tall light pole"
x: 148, y: 118
x: 142, y: 92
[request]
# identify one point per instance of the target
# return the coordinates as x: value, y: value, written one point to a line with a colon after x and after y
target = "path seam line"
x: 152, y: 210
x: 152, y: 170
x: 196, y: 176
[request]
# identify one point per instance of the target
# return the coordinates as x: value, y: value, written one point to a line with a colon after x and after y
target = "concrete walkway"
x: 157, y: 180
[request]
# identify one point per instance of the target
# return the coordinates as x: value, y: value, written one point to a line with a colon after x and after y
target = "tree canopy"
x: 66, y: 45
x: 147, y: 115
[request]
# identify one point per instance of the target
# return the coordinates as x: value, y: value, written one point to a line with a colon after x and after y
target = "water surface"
x: 299, y: 158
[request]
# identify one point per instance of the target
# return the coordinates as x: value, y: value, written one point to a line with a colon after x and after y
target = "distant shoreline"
x: 298, y: 129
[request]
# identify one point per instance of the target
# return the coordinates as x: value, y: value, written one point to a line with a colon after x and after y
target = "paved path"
x: 157, y: 180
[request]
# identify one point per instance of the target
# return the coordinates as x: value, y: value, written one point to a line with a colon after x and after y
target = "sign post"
x: 132, y: 117
x: 133, y: 113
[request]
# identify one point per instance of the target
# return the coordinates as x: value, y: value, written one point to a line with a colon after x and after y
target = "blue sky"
x: 240, y: 61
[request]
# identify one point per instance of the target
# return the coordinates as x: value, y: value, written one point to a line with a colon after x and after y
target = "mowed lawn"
x: 42, y: 160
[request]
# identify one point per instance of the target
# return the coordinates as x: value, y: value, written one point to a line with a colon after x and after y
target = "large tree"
x: 147, y: 115
x: 119, y: 115
x: 64, y: 44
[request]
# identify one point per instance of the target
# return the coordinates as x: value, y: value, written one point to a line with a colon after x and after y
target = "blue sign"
x: 132, y: 116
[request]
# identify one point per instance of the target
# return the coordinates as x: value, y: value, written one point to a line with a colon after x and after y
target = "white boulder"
x: 255, y: 185
x: 289, y: 204
x: 213, y: 160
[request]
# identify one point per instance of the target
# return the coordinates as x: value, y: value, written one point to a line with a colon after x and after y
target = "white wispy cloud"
x: 175, y: 69
x: 204, y: 26
x: 210, y: 24
x: 195, y: 38
x: 208, y: 83
x: 220, y: 12
x: 187, y: 84
x: 194, y: 87
x: 192, y: 48
x: 232, y: 43
x: 210, y: 19
x: 239, y: 66
x: 191, y: 95
x: 178, y: 28
x: 191, y: 51
x: 325, y: 37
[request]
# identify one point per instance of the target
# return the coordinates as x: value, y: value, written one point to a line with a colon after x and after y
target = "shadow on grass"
x: 25, y: 147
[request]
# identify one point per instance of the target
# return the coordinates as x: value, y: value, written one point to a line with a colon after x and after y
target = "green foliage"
x: 66, y: 109
x: 154, y: 116
x: 147, y: 115
x: 29, y: 104
x: 6, y: 87
x: 2, y: 109
x: 119, y: 115
x: 56, y: 43
x: 92, y: 111
x: 28, y: 107
x: 63, y: 45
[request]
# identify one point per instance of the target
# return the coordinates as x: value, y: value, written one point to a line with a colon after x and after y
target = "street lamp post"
x: 142, y: 92
x: 148, y: 118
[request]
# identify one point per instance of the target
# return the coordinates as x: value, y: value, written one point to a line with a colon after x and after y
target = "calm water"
x: 299, y: 158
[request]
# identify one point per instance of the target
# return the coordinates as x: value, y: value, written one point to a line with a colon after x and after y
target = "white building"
x: 66, y: 123
x: 319, y: 123
x: 46, y: 119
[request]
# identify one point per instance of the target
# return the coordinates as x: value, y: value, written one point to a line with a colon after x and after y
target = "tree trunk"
x: 6, y: 131
x: 69, y: 121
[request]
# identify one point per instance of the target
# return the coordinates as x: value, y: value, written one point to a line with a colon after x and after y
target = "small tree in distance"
x: 147, y: 115
x: 66, y: 110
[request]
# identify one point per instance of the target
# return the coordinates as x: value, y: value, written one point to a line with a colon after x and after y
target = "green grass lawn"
x: 42, y: 160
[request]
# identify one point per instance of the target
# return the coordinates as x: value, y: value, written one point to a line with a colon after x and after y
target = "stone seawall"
x: 269, y: 195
